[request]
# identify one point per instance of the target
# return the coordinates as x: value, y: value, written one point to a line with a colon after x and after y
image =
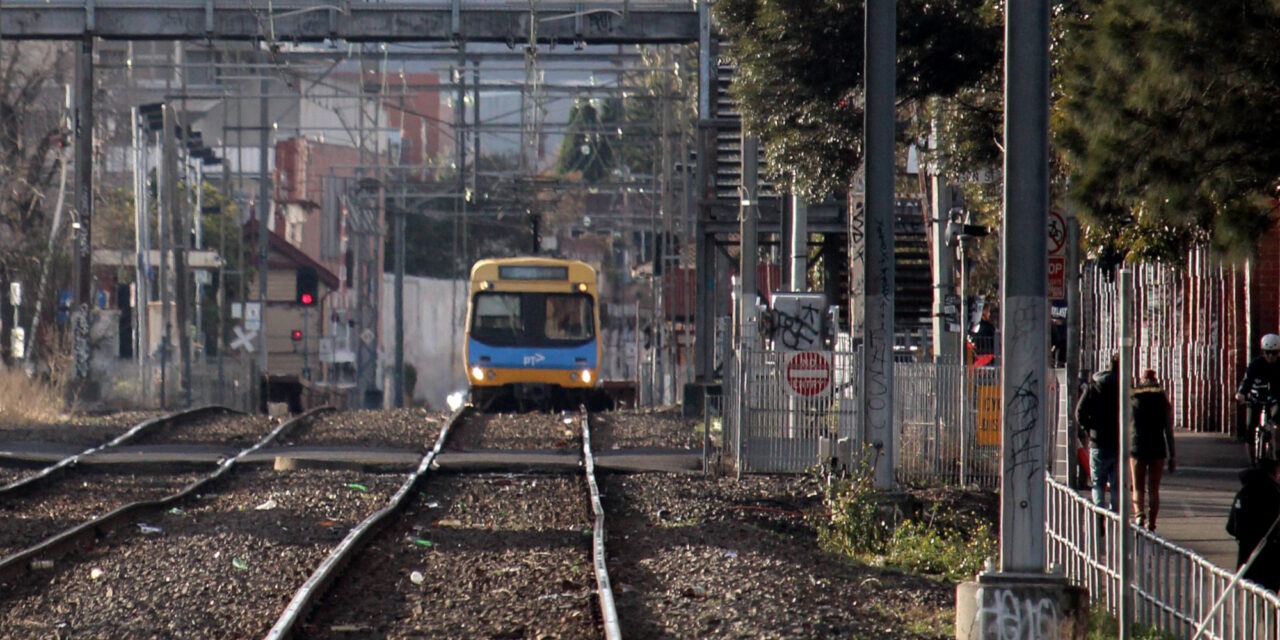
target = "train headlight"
x: 582, y: 286
x: 477, y: 373
x: 586, y: 376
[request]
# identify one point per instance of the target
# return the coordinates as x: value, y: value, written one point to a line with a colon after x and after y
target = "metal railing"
x: 1174, y: 588
x: 947, y: 416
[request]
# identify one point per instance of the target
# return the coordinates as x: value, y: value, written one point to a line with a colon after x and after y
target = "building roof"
x: 292, y: 253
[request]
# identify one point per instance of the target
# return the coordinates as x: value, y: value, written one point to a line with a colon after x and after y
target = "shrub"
x: 865, y: 523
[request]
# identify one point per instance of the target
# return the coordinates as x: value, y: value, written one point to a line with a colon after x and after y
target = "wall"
x: 433, y: 335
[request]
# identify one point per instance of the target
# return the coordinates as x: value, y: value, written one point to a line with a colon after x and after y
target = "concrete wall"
x: 433, y: 334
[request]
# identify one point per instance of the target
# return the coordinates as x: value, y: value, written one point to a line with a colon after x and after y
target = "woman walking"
x: 1152, y: 445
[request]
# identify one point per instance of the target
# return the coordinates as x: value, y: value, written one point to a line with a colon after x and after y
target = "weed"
x: 1104, y: 626
x: 864, y: 523
x: 24, y: 399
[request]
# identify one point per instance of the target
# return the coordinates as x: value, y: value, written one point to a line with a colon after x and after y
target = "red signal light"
x: 296, y: 335
x: 307, y: 299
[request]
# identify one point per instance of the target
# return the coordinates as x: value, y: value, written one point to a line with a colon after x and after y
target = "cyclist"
x: 1260, y: 378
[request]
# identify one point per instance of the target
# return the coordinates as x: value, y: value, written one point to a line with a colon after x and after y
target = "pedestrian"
x: 983, y: 334
x: 1252, y: 522
x: 1098, y: 414
x: 1151, y: 446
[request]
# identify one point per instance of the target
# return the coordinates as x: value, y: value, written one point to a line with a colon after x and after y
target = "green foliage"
x: 1164, y: 109
x: 588, y: 145
x: 1104, y: 626
x: 862, y: 523
x: 799, y: 75
x: 924, y: 547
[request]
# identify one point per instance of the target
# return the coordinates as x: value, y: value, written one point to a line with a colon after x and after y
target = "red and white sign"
x: 1057, y: 278
x: 1056, y: 227
x: 808, y: 373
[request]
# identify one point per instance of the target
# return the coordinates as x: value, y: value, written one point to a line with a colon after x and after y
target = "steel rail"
x: 14, y: 488
x: 608, y: 612
x: 318, y: 583
x: 80, y: 535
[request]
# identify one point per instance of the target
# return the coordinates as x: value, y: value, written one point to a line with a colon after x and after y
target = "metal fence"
x: 1174, y: 588
x: 1190, y: 325
x: 947, y: 416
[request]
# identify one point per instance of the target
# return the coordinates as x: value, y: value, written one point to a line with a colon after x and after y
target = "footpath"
x: 1195, y: 500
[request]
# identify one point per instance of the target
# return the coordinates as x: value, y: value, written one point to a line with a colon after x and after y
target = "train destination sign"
x: 808, y: 373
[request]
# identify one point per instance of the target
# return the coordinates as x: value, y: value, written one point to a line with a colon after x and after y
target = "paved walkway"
x: 1194, y: 501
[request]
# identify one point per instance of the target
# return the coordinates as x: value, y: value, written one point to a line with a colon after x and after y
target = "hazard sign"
x: 808, y: 373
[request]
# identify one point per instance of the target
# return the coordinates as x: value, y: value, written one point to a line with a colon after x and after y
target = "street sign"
x: 1057, y: 229
x: 244, y: 339
x: 15, y: 293
x: 1057, y: 278
x: 253, y: 316
x: 808, y: 373
x: 367, y: 336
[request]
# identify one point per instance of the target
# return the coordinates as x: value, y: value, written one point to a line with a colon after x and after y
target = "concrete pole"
x: 83, y: 225
x: 799, y: 244
x: 1124, y: 608
x: 878, y: 329
x: 1024, y: 281
x: 750, y: 214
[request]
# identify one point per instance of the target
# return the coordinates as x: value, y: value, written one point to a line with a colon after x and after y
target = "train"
x: 533, y: 334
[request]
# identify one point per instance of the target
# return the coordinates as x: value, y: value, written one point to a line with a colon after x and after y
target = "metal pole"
x: 878, y: 328
x: 165, y: 220
x: 966, y: 413
x: 747, y: 258
x: 83, y: 225
x: 1124, y: 608
x: 264, y: 213
x: 398, y: 391
x: 1024, y: 282
x: 799, y: 244
x: 1073, y: 340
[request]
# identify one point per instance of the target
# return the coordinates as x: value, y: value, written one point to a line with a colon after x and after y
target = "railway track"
x: 494, y: 531
x: 426, y: 564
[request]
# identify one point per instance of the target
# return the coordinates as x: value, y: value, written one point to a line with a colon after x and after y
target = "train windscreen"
x: 533, y: 319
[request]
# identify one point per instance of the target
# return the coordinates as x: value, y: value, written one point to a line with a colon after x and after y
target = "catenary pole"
x: 877, y: 330
x: 1024, y: 283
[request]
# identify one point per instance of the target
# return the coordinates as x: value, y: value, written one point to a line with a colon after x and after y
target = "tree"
x: 33, y: 133
x: 799, y: 75
x: 588, y: 145
x: 1166, y: 120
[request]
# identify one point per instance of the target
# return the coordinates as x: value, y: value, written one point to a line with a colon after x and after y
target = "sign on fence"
x: 988, y: 415
x: 808, y: 373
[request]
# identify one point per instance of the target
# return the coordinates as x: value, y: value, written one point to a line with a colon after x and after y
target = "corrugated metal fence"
x: 1191, y: 328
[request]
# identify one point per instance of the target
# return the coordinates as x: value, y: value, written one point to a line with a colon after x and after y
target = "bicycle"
x: 1263, y: 443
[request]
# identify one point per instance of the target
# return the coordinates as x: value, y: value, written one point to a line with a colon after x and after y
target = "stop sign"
x: 808, y: 373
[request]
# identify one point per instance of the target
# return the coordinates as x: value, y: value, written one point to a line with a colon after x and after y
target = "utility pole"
x: 83, y: 225
x: 264, y: 213
x: 1024, y: 354
x: 878, y: 328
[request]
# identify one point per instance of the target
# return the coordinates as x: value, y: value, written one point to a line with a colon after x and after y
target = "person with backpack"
x: 1098, y: 414
x: 1150, y: 447
x: 1252, y: 522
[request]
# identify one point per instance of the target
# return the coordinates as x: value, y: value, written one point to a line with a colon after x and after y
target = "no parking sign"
x: 808, y: 373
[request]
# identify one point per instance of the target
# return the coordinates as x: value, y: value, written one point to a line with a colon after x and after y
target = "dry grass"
x: 23, y: 399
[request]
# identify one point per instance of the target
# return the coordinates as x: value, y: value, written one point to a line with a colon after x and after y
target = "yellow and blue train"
x: 533, y: 332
